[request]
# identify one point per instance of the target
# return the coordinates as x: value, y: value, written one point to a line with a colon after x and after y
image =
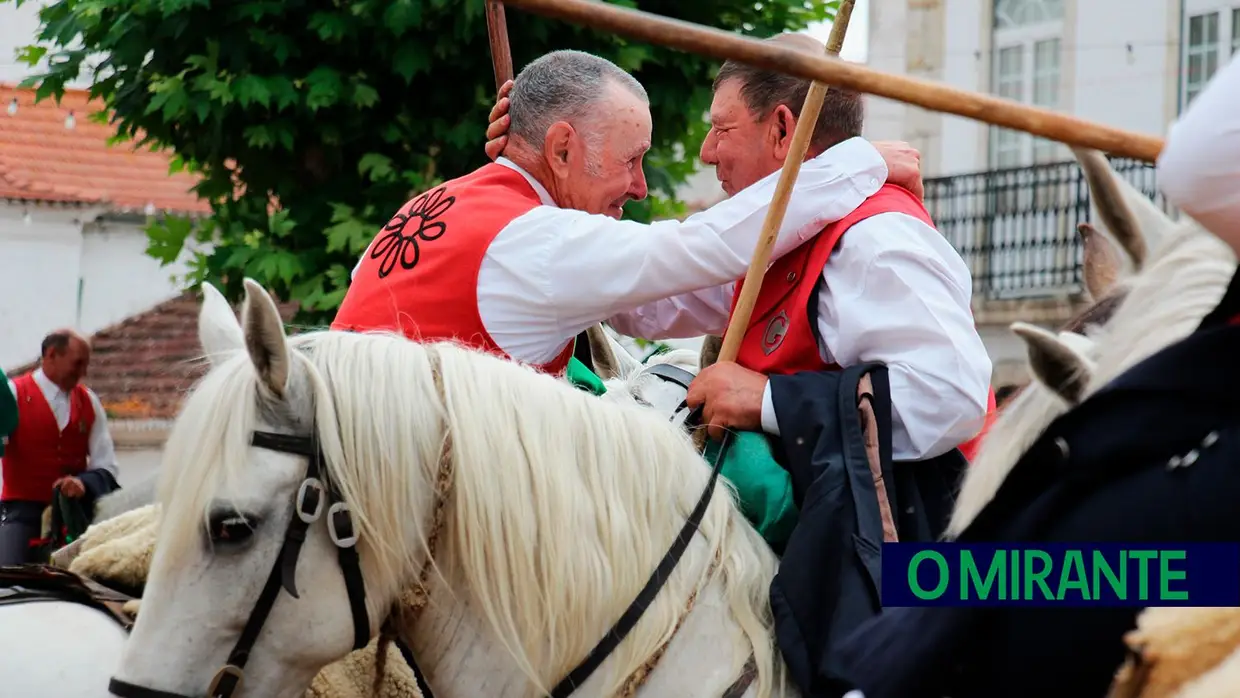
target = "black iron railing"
x: 1016, y: 228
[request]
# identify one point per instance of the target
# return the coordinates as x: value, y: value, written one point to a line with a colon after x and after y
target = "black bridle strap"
x: 347, y: 556
x: 129, y: 690
x: 628, y: 620
x: 671, y: 373
x: 283, y: 572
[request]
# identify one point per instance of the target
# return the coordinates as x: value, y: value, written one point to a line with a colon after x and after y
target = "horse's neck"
x: 462, y: 658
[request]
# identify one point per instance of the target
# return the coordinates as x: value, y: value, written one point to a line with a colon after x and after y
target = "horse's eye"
x: 231, y: 527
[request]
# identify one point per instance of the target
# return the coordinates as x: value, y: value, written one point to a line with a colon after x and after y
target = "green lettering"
x: 1166, y: 575
x: 1015, y: 592
x: 1073, y: 563
x: 917, y: 589
x: 1143, y: 578
x: 1118, y: 584
x: 970, y: 575
x: 1039, y: 577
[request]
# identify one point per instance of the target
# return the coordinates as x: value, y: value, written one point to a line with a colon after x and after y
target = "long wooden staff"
x: 934, y: 96
x: 497, y: 33
x: 783, y: 192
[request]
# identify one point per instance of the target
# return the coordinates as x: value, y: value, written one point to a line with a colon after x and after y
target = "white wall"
x: 119, y: 279
x: 42, y: 259
x: 40, y: 263
x: 888, y: 31
x: 1114, y: 85
x: 1104, y: 80
x: 964, y: 67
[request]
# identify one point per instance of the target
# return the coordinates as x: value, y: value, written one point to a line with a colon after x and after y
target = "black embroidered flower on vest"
x: 401, y: 244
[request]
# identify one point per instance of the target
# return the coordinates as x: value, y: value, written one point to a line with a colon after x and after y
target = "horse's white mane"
x: 1183, y: 280
x: 550, y: 485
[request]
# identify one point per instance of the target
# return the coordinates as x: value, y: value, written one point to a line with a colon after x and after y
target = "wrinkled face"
x: 68, y: 367
x: 221, y: 535
x: 741, y: 147
x: 603, y: 167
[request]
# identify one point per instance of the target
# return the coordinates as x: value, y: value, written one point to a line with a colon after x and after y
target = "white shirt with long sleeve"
x: 895, y: 292
x: 102, y: 450
x: 552, y: 272
x: 1199, y: 167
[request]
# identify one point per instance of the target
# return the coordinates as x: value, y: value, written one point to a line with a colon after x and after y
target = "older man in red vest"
x: 520, y: 256
x: 61, y: 440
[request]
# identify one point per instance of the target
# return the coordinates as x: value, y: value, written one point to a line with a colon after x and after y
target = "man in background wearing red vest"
x: 523, y: 254
x: 61, y: 440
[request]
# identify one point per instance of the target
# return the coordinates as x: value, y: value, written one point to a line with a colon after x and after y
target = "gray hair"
x: 562, y: 86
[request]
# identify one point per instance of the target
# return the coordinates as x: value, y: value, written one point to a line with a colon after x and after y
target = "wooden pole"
x: 934, y: 96
x: 497, y: 34
x: 801, y: 137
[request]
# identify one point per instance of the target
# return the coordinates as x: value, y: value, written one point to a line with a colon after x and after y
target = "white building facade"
x: 1010, y: 202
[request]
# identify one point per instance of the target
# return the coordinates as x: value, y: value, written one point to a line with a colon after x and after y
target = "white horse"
x: 59, y: 648
x: 90, y: 642
x: 64, y: 644
x: 1163, y: 302
x: 548, y: 513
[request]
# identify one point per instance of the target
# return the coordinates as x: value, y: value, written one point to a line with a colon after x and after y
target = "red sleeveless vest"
x: 39, y: 453
x: 419, y: 276
x: 781, y: 337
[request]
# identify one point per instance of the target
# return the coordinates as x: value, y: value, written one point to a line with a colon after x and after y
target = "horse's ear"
x: 218, y: 330
x: 606, y: 364
x: 620, y: 363
x: 711, y: 346
x: 264, y: 338
x: 1058, y: 364
x: 1128, y: 214
x: 1102, y: 261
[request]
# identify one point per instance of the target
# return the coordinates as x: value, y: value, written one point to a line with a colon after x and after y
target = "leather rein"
x: 316, y: 489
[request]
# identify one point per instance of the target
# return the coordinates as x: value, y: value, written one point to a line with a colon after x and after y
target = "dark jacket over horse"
x: 1115, y: 469
x: 835, y: 432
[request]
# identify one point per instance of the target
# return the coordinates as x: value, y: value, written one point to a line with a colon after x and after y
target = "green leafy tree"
x: 311, y: 122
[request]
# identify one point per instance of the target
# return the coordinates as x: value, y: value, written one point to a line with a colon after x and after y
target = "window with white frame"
x: 1201, y: 54
x: 1046, y: 92
x: 1235, y: 31
x: 1026, y: 67
x: 1009, y: 83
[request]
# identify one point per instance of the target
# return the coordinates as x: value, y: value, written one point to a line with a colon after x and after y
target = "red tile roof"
x: 142, y: 367
x: 42, y: 160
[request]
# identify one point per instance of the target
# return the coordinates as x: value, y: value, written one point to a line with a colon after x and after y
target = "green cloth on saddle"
x: 582, y: 377
x: 8, y: 414
x: 763, y: 486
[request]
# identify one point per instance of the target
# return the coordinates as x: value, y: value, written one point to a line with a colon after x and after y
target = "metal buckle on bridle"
x: 339, y: 519
x: 226, y: 682
x: 311, y: 486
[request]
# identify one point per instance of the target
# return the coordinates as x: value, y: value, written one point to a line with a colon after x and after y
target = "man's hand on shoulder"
x: 497, y: 123
x: 903, y: 165
x: 732, y: 396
